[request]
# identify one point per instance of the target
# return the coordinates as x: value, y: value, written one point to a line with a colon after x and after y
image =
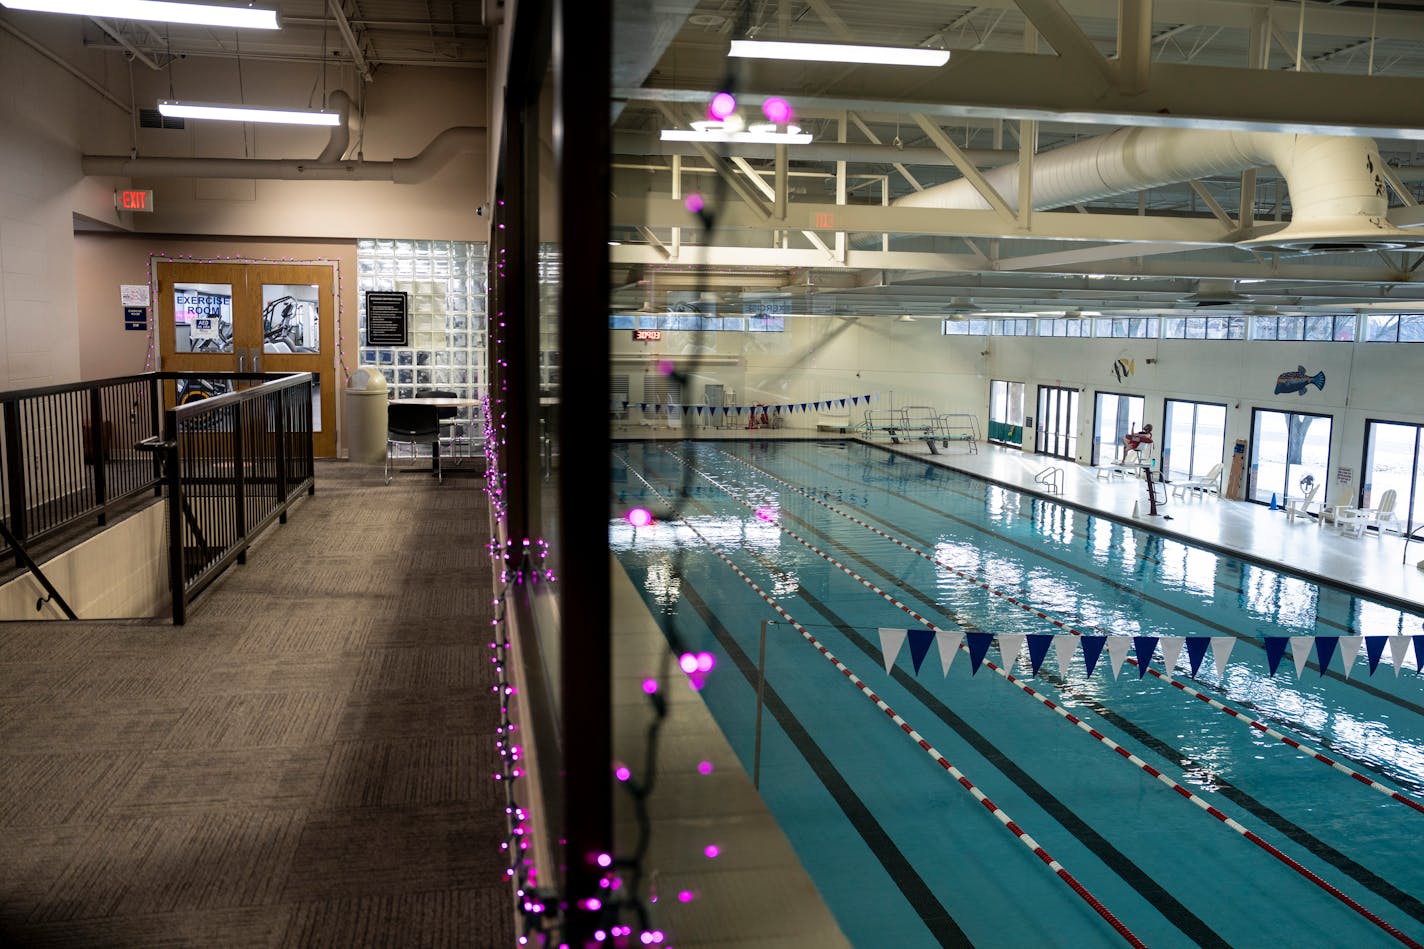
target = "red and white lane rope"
x: 1259, y: 726
x: 1003, y: 818
x: 1176, y: 786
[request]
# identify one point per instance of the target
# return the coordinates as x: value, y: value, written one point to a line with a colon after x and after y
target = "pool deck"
x: 762, y: 886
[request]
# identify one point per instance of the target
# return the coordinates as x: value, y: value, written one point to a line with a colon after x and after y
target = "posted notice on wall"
x: 386, y: 318
x: 133, y: 294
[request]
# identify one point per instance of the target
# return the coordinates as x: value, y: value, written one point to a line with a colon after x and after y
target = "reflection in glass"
x: 290, y: 316
x: 202, y: 317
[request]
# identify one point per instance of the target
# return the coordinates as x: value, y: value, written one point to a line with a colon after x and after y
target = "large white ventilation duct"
x: 1338, y: 197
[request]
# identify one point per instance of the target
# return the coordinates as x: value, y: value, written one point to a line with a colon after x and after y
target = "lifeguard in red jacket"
x: 1133, y: 441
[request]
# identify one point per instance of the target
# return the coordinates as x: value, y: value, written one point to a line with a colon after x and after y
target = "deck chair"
x: 1382, y: 515
x: 1305, y: 505
x: 1209, y: 483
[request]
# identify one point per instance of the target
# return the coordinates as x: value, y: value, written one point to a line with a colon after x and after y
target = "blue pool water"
x: 903, y: 854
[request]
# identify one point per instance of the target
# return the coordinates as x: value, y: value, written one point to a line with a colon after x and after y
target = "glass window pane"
x: 1344, y: 329
x: 1319, y: 327
x: 1411, y: 329
x: 1174, y: 327
x: 202, y: 317
x: 1196, y: 327
x: 290, y: 318
x: 1263, y: 327
x: 1291, y: 327
x: 979, y: 327
x: 1381, y: 328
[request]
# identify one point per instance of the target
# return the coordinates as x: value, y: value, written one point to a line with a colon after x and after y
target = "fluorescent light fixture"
x: 242, y: 113
x: 840, y: 53
x: 727, y: 132
x: 201, y: 14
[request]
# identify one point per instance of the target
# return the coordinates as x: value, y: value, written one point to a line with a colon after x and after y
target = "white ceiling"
x: 1364, y: 69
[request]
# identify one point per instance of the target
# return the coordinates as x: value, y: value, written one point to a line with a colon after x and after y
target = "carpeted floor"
x: 306, y: 763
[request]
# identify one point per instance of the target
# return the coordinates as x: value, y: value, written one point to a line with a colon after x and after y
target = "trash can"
x: 366, y: 417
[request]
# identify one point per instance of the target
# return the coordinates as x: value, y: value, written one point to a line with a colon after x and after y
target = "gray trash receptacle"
x: 366, y: 417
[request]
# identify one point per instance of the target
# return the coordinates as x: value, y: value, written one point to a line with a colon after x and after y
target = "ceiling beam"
x: 1026, y: 86
x: 966, y: 167
x: 1068, y: 39
x: 656, y: 211
x: 1134, y: 45
x: 353, y: 45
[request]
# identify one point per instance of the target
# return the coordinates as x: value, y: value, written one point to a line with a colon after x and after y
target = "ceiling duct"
x: 1338, y: 198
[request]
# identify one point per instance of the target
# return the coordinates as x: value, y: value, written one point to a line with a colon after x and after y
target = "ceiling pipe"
x: 415, y: 170
x: 1338, y: 198
x: 335, y: 149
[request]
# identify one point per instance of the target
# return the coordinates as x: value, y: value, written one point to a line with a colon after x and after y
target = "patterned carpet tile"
x: 443, y: 919
x: 414, y: 667
x: 171, y: 782
x: 281, y: 673
x: 387, y: 716
x: 370, y: 851
x: 86, y: 723
x: 452, y: 770
x: 257, y: 719
x: 245, y: 928
x: 74, y: 788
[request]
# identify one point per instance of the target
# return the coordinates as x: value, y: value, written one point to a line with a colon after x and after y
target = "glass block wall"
x: 445, y: 281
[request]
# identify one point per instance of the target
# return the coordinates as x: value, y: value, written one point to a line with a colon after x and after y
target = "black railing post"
x: 98, y: 452
x: 177, y: 551
x: 155, y: 417
x: 15, y: 471
x: 307, y: 452
x: 238, y: 483
x: 282, y: 498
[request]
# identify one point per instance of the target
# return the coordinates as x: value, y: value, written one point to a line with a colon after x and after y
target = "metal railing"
x: 68, y: 453
x: 231, y: 465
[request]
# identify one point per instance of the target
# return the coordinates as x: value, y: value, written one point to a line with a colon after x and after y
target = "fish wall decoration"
x: 1297, y: 380
x: 1122, y: 368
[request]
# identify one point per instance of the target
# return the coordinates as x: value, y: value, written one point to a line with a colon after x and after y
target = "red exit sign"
x: 128, y: 200
x: 647, y: 336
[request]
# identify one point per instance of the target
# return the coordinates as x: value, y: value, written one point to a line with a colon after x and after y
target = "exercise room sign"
x: 386, y: 320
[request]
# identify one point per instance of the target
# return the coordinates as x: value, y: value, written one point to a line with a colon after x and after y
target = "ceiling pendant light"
x: 162, y: 11
x: 245, y: 113
x: 839, y: 53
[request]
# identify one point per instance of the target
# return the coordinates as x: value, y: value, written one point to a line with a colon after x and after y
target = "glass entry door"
x: 1394, y: 458
x: 1285, y: 448
x: 1006, y: 413
x: 1113, y: 417
x: 1056, y: 433
x: 1195, y: 438
x: 242, y: 317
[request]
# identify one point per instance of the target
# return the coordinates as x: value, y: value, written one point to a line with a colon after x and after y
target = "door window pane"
x: 290, y: 318
x: 1392, y: 461
x: 1195, y: 438
x: 1113, y: 417
x: 1285, y: 448
x: 1006, y: 412
x: 202, y: 317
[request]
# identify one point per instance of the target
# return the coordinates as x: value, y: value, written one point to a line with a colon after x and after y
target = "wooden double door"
x: 251, y: 317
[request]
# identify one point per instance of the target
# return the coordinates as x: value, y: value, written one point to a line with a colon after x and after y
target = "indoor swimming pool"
x: 994, y: 807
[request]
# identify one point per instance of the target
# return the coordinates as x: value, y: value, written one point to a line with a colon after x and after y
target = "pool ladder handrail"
x: 1051, y: 479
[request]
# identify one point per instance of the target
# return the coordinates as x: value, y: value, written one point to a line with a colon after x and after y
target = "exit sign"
x: 128, y: 200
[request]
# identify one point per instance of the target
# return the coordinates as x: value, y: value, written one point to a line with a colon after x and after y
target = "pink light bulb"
x: 622, y: 773
x: 704, y: 767
x: 604, y: 860
x: 711, y: 851
x: 687, y: 662
x: 685, y: 896
x: 640, y: 517
x: 722, y: 105
x: 705, y: 661
x: 777, y: 110
x: 693, y: 203
x: 650, y: 686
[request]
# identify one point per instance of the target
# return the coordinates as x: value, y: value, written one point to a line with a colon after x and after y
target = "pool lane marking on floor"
x: 1019, y: 833
x: 1187, y: 794
x: 1260, y: 726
